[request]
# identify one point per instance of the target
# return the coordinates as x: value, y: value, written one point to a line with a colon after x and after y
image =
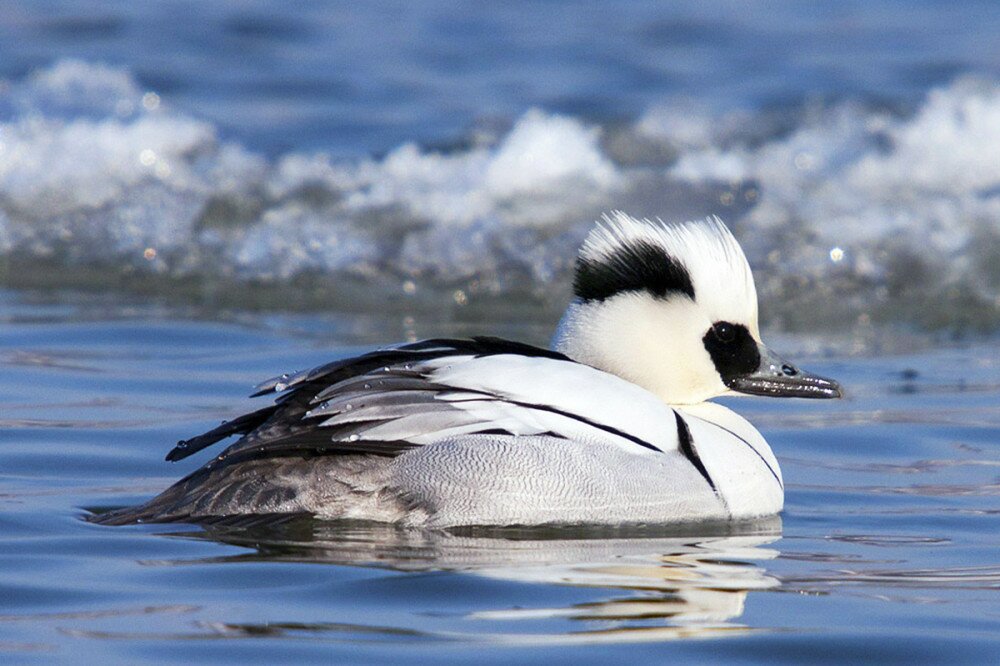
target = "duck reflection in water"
x: 663, y: 585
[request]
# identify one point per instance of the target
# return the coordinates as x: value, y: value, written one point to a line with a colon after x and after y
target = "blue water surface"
x: 362, y: 78
x: 887, y: 549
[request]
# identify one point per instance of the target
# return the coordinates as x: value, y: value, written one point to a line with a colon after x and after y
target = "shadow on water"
x: 665, y: 582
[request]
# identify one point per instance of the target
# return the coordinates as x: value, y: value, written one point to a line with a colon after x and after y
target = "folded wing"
x: 389, y: 401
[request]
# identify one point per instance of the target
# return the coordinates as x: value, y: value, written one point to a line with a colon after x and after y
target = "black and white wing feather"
x: 389, y: 401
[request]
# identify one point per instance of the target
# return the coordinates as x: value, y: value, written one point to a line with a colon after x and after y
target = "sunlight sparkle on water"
x: 151, y: 101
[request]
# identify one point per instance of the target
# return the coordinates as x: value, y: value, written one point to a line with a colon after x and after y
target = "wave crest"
x: 857, y: 211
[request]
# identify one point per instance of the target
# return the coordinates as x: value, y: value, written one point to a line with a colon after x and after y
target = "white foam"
x: 73, y: 88
x: 543, y: 151
x: 51, y: 167
x: 93, y: 169
x: 945, y: 147
x: 876, y: 185
x: 290, y: 240
x: 541, y: 156
x: 683, y: 123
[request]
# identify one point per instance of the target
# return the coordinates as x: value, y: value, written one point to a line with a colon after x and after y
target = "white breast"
x: 737, y: 458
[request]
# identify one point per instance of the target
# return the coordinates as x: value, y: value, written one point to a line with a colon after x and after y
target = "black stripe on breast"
x: 686, y: 446
x: 749, y: 446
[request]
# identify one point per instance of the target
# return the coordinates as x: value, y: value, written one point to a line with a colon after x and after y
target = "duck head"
x: 673, y: 308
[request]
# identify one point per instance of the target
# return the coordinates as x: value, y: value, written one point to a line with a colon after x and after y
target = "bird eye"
x: 724, y: 331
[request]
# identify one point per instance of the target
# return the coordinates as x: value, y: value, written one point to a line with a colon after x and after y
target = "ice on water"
x: 876, y: 204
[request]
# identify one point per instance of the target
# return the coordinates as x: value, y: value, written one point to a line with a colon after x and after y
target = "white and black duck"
x: 613, y: 425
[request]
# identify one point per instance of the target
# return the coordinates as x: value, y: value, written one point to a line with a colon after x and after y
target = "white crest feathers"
x: 713, y: 258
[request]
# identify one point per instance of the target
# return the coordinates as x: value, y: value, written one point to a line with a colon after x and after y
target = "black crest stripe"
x: 686, y: 446
x: 637, y: 265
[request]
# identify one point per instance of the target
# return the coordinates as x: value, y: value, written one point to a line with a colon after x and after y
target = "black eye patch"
x: 733, y: 350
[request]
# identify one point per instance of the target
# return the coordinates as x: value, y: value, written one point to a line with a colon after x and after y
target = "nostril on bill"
x: 789, y: 370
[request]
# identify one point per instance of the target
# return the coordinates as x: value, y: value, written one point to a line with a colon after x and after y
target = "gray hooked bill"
x: 779, y: 379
